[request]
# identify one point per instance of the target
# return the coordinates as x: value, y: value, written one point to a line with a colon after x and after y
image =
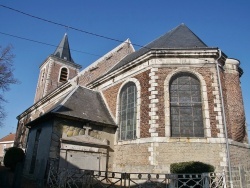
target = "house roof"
x: 84, y: 104
x: 8, y: 138
x: 180, y: 37
x: 63, y: 50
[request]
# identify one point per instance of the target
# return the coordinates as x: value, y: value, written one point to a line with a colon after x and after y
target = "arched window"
x: 127, y: 112
x: 63, y: 75
x: 186, y: 106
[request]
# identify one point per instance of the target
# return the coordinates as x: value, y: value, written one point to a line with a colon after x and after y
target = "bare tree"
x: 6, y: 76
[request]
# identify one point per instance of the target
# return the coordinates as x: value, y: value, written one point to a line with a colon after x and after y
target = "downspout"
x: 224, y: 120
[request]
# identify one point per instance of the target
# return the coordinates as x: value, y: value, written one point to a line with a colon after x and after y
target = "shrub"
x: 191, y: 167
x: 13, y: 156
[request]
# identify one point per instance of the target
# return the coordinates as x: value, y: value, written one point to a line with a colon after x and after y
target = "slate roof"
x: 8, y: 138
x: 63, y: 50
x: 180, y: 37
x: 85, y: 104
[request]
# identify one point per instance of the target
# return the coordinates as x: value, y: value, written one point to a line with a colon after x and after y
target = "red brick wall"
x: 54, y: 76
x: 207, y: 75
x: 104, y: 65
x: 209, y: 79
x: 234, y: 107
x: 143, y: 78
x: 111, y: 93
x: 52, y: 79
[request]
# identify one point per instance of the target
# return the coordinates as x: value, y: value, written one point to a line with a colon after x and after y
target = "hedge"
x: 191, y: 167
x: 13, y: 156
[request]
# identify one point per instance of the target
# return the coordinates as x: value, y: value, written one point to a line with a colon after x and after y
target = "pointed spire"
x: 63, y: 50
x: 179, y: 37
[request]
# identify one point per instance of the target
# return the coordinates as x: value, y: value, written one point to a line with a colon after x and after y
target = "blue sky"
x: 224, y: 24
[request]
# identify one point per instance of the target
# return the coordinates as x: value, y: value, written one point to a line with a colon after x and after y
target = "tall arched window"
x: 127, y: 112
x: 63, y: 75
x: 186, y: 106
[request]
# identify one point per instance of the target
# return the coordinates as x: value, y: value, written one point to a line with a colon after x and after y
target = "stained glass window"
x: 186, y: 106
x: 127, y: 112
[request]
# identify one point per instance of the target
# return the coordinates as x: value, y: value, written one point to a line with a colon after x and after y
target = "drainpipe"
x: 224, y: 120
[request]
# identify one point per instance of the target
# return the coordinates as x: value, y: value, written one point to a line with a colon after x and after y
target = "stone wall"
x: 239, y: 154
x: 68, y: 128
x: 137, y: 157
x: 132, y: 158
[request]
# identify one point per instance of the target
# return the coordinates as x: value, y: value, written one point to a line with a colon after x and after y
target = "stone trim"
x: 217, y: 104
x: 48, y: 77
x: 138, y: 109
x: 153, y: 153
x: 153, y: 102
x: 239, y: 144
x: 172, y: 140
x: 205, y: 107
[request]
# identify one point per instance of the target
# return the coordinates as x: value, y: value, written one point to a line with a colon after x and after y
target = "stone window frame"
x: 59, y: 76
x: 138, y: 104
x: 205, y: 107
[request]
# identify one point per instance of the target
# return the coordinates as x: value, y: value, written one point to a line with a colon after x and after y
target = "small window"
x: 63, y: 75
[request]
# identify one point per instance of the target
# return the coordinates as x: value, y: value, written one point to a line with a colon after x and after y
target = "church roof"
x: 84, y: 104
x: 63, y: 50
x: 180, y: 37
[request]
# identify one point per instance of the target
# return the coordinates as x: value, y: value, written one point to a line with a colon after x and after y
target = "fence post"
x: 242, y: 177
x: 205, y: 180
x: 224, y: 179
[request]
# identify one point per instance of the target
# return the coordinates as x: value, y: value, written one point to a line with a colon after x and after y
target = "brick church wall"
x: 235, y: 108
x: 55, y: 73
x: 144, y: 119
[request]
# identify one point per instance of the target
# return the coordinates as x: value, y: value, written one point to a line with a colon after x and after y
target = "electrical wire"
x: 44, y: 43
x: 70, y: 27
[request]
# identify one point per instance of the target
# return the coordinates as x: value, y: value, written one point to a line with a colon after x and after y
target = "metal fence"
x: 241, y: 176
x: 66, y: 178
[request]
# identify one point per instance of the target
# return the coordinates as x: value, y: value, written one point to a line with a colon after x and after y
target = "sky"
x: 224, y: 24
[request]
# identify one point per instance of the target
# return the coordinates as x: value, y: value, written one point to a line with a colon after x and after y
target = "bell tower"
x: 56, y: 70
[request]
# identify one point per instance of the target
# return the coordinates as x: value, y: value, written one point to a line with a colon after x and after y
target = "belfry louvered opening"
x: 63, y: 75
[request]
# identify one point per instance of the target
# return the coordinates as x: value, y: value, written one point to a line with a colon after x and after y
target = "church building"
x: 174, y: 100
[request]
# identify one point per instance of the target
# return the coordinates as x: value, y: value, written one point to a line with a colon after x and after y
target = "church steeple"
x: 63, y: 50
x: 58, y: 68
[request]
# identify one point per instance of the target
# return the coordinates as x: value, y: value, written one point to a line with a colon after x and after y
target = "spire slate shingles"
x: 63, y: 50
